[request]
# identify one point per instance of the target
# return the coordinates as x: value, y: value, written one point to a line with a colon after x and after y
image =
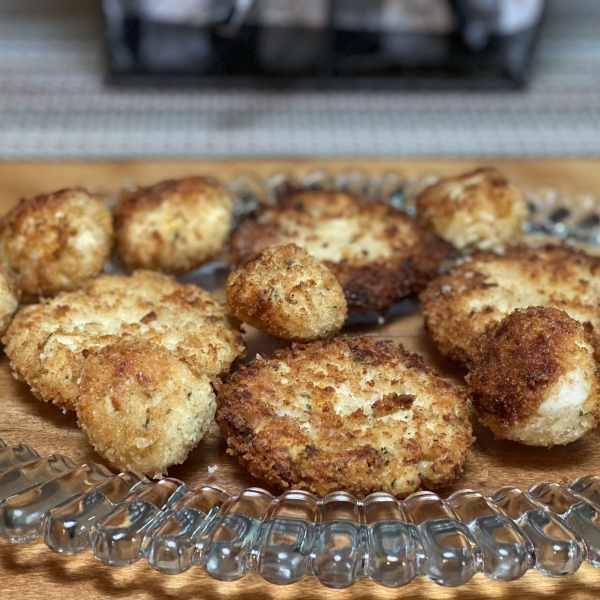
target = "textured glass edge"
x: 551, y: 527
x: 125, y: 517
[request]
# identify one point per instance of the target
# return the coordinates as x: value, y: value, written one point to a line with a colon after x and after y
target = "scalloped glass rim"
x: 124, y: 518
x: 337, y: 538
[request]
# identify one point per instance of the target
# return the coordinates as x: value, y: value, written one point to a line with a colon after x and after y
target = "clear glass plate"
x: 125, y: 517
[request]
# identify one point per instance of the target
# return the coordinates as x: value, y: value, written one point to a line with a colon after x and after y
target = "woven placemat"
x: 54, y: 103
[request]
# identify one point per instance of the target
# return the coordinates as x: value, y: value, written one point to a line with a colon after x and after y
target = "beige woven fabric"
x: 54, y: 104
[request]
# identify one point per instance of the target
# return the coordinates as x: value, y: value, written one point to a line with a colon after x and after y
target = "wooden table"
x: 32, y: 570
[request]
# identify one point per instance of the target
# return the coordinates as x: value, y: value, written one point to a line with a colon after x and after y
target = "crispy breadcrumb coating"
x: 478, y: 292
x: 54, y: 243
x: 480, y: 209
x: 142, y: 407
x: 345, y: 414
x: 534, y: 379
x: 48, y: 343
x: 379, y: 254
x: 287, y: 293
x: 9, y: 299
x: 173, y: 226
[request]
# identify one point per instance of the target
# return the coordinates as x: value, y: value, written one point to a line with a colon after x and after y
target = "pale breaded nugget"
x: 346, y: 414
x: 535, y: 380
x: 173, y: 226
x: 142, y: 407
x: 54, y: 243
x: 476, y: 293
x: 9, y: 299
x: 480, y: 209
x: 48, y: 343
x: 287, y: 293
x: 379, y: 255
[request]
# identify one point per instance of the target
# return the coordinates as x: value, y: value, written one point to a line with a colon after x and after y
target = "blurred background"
x: 122, y: 79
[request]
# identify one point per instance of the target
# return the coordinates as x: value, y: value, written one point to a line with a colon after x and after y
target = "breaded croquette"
x: 173, y: 226
x: 142, y: 407
x: 48, y: 343
x: 379, y: 254
x: 480, y: 209
x: 287, y: 293
x: 534, y: 379
x: 350, y: 414
x: 9, y: 299
x: 478, y: 292
x: 55, y: 243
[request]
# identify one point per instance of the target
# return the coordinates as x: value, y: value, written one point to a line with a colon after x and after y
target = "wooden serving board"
x: 33, y: 570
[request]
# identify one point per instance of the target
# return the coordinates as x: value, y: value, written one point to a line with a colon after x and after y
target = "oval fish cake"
x: 142, y: 407
x: 48, y: 343
x: 287, y: 293
x: 535, y: 380
x: 482, y: 290
x: 480, y: 209
x: 348, y: 414
x: 55, y: 242
x: 379, y: 254
x: 172, y: 226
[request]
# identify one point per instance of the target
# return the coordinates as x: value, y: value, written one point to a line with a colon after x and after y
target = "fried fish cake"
x: 350, y: 414
x: 480, y: 209
x: 48, y: 343
x: 379, y: 255
x: 9, y: 299
x: 142, y: 407
x: 173, y: 226
x: 54, y: 243
x: 478, y: 292
x: 535, y: 380
x: 287, y: 293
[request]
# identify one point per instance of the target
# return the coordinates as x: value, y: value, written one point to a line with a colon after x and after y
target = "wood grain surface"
x: 31, y: 570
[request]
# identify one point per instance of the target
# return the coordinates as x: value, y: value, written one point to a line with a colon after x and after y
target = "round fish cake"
x: 142, y: 407
x: 480, y: 209
x: 9, y: 299
x: 535, y: 380
x: 482, y: 290
x: 287, y: 293
x: 173, y: 226
x: 379, y: 254
x: 54, y: 243
x: 348, y: 414
x: 48, y: 343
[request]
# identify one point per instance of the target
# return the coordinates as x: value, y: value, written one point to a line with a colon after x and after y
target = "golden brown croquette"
x: 48, y: 343
x: 142, y: 407
x: 479, y: 209
x: 482, y: 290
x: 287, y: 293
x: 534, y: 379
x: 172, y: 226
x: 56, y: 242
x: 379, y: 254
x: 350, y: 414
